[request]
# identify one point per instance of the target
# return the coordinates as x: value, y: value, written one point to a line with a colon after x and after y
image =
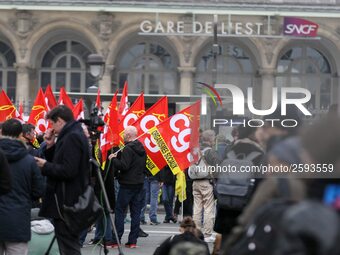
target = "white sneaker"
x: 209, y: 239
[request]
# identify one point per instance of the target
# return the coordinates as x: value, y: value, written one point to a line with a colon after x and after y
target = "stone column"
x: 268, y: 82
x: 186, y: 87
x: 23, y: 81
x: 105, y: 83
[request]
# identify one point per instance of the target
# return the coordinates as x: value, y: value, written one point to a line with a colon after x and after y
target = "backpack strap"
x: 205, y: 150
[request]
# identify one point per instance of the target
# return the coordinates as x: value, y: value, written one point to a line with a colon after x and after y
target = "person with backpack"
x: 244, y: 151
x: 267, y: 205
x: 203, y: 186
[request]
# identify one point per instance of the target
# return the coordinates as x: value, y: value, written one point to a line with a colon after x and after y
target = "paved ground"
x: 146, y: 246
x: 157, y: 234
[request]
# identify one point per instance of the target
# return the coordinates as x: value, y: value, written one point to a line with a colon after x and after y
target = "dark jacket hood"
x: 13, y: 149
x: 137, y: 147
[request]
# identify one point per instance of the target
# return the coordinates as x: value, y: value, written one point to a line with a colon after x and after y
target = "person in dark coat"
x: 67, y: 162
x: 132, y: 167
x: 26, y: 184
x: 245, y: 144
x: 5, y: 179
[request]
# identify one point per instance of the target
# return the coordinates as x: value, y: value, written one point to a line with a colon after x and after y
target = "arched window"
x: 234, y: 66
x: 147, y: 67
x: 64, y: 65
x: 8, y: 76
x: 306, y: 67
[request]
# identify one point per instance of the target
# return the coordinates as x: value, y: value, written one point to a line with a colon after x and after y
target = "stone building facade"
x: 47, y: 42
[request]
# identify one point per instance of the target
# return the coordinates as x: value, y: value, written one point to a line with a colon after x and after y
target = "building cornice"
x: 329, y: 10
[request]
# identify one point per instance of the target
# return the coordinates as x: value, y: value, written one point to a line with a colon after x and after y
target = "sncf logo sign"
x: 299, y: 27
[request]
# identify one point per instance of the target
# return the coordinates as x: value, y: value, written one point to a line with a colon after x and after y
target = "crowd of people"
x: 281, y: 212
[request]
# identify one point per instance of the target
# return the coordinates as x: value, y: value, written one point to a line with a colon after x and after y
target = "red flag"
x: 78, y: 110
x: 7, y: 109
x: 135, y: 111
x: 99, y: 104
x: 173, y: 137
x: 110, y: 137
x: 38, y: 112
x: 50, y: 100
x: 64, y: 99
x: 21, y: 111
x: 151, y: 118
x: 123, y: 105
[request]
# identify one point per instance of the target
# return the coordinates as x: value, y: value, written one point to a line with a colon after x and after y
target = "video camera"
x: 94, y: 124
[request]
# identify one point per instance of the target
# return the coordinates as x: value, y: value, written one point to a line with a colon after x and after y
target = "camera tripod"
x: 106, y: 201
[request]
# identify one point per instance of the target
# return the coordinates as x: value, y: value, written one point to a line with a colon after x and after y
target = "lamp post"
x: 96, y: 67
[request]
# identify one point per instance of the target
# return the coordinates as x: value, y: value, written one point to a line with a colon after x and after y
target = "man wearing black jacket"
x: 67, y: 164
x: 131, y: 165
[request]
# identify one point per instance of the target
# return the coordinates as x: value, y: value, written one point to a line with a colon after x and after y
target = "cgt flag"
x: 151, y: 118
x: 110, y: 136
x: 173, y: 138
x: 135, y: 111
x: 7, y: 109
x: 38, y: 112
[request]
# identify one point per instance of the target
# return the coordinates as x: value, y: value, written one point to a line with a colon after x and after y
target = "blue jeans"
x: 104, y: 228
x: 152, y: 189
x: 168, y: 200
x: 100, y: 229
x: 128, y: 197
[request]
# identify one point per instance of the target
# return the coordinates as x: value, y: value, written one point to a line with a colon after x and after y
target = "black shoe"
x: 142, y: 233
x: 173, y: 219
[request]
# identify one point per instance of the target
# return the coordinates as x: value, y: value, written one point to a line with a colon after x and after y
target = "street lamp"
x: 96, y: 65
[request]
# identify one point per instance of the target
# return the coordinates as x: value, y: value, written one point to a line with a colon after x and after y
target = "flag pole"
x: 182, y: 213
x: 132, y: 141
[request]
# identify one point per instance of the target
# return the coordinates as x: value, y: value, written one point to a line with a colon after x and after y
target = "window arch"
x: 8, y: 76
x: 64, y: 64
x: 148, y: 67
x: 234, y: 66
x: 307, y: 67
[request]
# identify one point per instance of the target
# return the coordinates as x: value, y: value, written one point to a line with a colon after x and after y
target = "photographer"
x: 103, y: 233
x: 67, y: 165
